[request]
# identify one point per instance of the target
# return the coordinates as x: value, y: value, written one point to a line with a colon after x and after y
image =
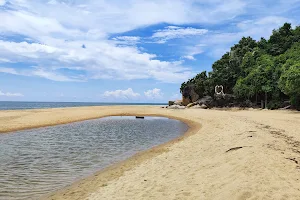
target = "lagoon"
x: 38, y: 161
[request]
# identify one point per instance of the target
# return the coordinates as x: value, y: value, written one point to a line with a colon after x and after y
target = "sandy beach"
x: 237, y: 154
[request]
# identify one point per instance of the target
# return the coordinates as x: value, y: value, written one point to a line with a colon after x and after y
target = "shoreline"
x: 83, y: 187
x: 115, y: 170
x: 197, y: 165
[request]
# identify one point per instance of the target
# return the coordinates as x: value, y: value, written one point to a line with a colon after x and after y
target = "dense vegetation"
x: 255, y: 71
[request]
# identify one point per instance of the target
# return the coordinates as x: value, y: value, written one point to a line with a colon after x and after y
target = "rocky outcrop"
x: 190, y: 105
x: 207, y: 101
x: 189, y: 95
x: 202, y: 106
x: 224, y: 100
x: 171, y: 103
x: 176, y: 107
x: 178, y: 103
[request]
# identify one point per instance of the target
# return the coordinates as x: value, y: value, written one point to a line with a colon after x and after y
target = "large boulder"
x: 178, y: 103
x: 189, y: 95
x: 224, y: 100
x: 171, y: 103
x: 206, y: 100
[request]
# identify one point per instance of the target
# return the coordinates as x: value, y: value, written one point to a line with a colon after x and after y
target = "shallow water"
x: 38, y: 161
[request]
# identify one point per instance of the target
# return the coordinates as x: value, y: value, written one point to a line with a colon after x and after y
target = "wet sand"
x: 250, y: 154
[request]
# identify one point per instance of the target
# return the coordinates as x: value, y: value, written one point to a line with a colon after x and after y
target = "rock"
x: 178, y: 103
x: 185, y: 101
x: 176, y: 107
x: 207, y: 100
x: 202, y: 106
x: 189, y: 95
x: 190, y: 105
x: 171, y: 103
x: 224, y: 100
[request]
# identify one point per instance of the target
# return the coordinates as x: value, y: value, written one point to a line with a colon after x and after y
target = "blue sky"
x: 122, y: 51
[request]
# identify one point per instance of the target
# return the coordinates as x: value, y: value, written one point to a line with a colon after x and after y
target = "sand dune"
x: 233, y: 155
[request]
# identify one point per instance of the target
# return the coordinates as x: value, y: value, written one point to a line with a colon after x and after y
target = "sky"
x: 122, y: 51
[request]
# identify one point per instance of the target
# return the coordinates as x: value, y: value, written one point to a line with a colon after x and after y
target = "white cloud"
x: 55, y: 32
x: 191, y: 51
x: 8, y: 70
x: 127, y: 38
x: 8, y: 94
x: 123, y: 94
x: 100, y: 60
x: 4, y: 60
x: 217, y: 43
x: 154, y: 94
x: 189, y: 57
x: 40, y: 72
x: 173, y: 32
x: 2, y: 2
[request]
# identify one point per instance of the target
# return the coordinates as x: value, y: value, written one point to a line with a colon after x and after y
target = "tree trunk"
x: 255, y: 99
x: 266, y: 100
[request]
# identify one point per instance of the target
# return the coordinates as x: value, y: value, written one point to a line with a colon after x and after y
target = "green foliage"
x: 199, y: 83
x: 290, y: 83
x: 267, y: 70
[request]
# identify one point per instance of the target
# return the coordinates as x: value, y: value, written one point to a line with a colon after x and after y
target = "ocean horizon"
x: 23, y: 105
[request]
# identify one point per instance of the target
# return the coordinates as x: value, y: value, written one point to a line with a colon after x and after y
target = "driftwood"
x: 233, y: 149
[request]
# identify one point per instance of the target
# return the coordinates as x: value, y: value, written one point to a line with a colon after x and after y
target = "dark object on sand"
x: 139, y: 117
x: 233, y: 149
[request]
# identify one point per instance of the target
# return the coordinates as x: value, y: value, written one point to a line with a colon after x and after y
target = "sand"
x: 207, y: 163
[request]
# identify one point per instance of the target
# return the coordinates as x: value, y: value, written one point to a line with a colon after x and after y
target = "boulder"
x: 202, y: 106
x: 176, y: 107
x: 189, y: 95
x: 190, y: 105
x: 178, y: 103
x: 171, y: 103
x: 207, y: 101
x: 222, y: 100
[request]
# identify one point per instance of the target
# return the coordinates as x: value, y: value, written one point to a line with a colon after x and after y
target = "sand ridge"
x: 234, y: 155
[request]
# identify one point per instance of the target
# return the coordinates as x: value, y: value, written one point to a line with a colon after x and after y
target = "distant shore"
x: 225, y: 155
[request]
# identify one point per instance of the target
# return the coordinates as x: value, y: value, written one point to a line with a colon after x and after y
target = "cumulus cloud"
x: 123, y: 94
x: 8, y: 94
x: 56, y: 38
x: 154, y: 93
x: 54, y: 33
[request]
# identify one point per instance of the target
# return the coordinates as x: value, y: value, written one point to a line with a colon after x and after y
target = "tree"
x: 264, y: 70
x: 281, y: 40
x: 290, y: 84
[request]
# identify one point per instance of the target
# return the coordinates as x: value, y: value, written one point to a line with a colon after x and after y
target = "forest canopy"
x: 267, y: 70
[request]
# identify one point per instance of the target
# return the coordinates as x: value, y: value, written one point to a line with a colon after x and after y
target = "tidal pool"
x: 38, y: 161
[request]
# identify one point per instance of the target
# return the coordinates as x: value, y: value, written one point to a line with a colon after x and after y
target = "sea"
x: 21, y: 105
